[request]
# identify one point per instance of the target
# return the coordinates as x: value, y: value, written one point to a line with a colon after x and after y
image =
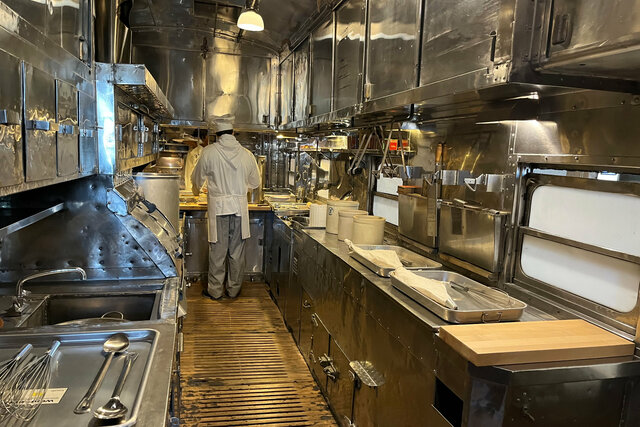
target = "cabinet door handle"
x: 306, y: 304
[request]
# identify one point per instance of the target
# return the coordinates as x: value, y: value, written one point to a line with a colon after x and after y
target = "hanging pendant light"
x: 250, y: 20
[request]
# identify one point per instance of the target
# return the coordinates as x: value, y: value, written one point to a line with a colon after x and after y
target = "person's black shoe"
x: 205, y: 293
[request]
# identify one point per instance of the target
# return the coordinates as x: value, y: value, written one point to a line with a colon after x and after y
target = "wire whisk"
x: 23, y: 394
x: 9, y: 367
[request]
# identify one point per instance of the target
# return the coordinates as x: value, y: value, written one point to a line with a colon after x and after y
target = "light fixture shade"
x: 250, y: 20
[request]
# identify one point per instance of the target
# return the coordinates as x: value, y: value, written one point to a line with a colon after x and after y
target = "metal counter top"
x: 340, y: 250
x: 153, y: 408
x: 184, y: 206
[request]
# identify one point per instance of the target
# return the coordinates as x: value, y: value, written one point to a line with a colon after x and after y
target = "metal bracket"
x: 67, y: 129
x: 8, y: 117
x: 328, y: 367
x: 41, y: 125
x: 367, y: 374
x: 496, y: 183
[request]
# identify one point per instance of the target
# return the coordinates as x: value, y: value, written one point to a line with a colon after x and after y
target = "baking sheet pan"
x: 479, y: 304
x: 410, y: 259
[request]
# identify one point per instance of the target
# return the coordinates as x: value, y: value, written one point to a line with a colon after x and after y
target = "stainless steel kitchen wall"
x: 205, y: 77
x: 240, y: 85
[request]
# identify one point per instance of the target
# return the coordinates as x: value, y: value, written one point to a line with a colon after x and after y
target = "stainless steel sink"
x: 134, y: 307
x: 55, y: 309
x: 31, y: 316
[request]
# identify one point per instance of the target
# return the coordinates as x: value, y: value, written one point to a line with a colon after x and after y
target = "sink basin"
x: 63, y: 308
x: 56, y: 309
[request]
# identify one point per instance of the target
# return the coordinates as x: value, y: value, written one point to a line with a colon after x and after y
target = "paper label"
x: 51, y: 397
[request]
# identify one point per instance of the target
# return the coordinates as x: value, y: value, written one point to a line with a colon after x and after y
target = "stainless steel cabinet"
x: 340, y: 384
x: 40, y: 123
x: 196, y: 245
x: 392, y: 52
x: 254, y: 248
x: 88, y: 151
x: 349, y: 54
x: 319, y: 355
x: 418, y: 218
x: 306, y: 326
x: 65, y: 23
x: 591, y: 37
x: 294, y: 292
x: 321, y: 71
x: 301, y: 81
x: 12, y: 171
x: 458, y: 38
x: 473, y: 234
x: 286, y: 90
x: 67, y: 112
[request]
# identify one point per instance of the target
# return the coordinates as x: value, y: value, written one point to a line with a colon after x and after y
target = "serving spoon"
x: 116, y: 343
x: 114, y: 408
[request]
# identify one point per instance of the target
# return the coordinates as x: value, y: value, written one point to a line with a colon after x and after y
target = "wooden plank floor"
x: 241, y: 367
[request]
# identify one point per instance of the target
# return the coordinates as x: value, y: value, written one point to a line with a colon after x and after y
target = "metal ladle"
x: 116, y: 343
x: 114, y: 408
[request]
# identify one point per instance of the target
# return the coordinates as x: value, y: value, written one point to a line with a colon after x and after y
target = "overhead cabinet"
x: 301, y: 81
x: 11, y: 172
x: 67, y: 144
x: 439, y: 52
x: 591, y: 37
x: 40, y: 123
x: 392, y: 46
x: 321, y: 68
x: 349, y: 54
x: 286, y: 90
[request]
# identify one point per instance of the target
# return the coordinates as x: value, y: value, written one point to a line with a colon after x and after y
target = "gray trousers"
x: 226, y: 257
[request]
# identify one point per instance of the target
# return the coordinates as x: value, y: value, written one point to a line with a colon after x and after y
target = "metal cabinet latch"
x: 328, y: 367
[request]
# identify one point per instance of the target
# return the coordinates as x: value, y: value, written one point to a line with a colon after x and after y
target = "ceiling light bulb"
x: 250, y: 20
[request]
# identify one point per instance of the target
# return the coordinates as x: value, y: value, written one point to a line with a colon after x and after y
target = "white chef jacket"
x: 229, y: 170
x: 190, y: 164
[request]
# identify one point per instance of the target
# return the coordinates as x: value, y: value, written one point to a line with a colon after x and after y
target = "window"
x: 577, y: 240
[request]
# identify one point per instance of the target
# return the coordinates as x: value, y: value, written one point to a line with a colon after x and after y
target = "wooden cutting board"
x: 532, y: 342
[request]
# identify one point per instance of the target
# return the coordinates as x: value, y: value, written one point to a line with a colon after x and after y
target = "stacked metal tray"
x: 476, y: 302
x: 410, y: 260
x: 75, y: 366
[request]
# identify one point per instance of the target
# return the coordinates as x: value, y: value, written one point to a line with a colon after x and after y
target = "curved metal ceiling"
x: 282, y: 18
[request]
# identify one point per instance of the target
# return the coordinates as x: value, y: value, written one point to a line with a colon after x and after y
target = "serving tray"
x: 476, y: 302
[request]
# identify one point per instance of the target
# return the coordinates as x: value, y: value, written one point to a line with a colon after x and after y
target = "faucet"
x: 18, y: 300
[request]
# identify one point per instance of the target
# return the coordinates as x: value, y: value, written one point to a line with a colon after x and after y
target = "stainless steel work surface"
x: 476, y: 302
x: 341, y: 250
x: 409, y: 259
x: 76, y: 364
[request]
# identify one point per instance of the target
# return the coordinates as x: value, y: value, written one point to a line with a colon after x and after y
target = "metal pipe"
x: 105, y: 30
x: 18, y: 303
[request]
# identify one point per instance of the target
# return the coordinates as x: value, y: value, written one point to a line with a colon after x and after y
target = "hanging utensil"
x: 114, y: 408
x: 9, y: 367
x: 24, y: 393
x: 116, y: 343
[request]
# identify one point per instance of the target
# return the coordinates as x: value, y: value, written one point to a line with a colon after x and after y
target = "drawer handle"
x: 41, y: 125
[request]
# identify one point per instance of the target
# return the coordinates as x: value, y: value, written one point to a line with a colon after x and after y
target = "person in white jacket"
x: 229, y: 171
x: 194, y: 155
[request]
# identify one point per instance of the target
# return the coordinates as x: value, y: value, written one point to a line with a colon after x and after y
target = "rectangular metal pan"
x: 76, y: 364
x: 410, y: 260
x: 478, y: 304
